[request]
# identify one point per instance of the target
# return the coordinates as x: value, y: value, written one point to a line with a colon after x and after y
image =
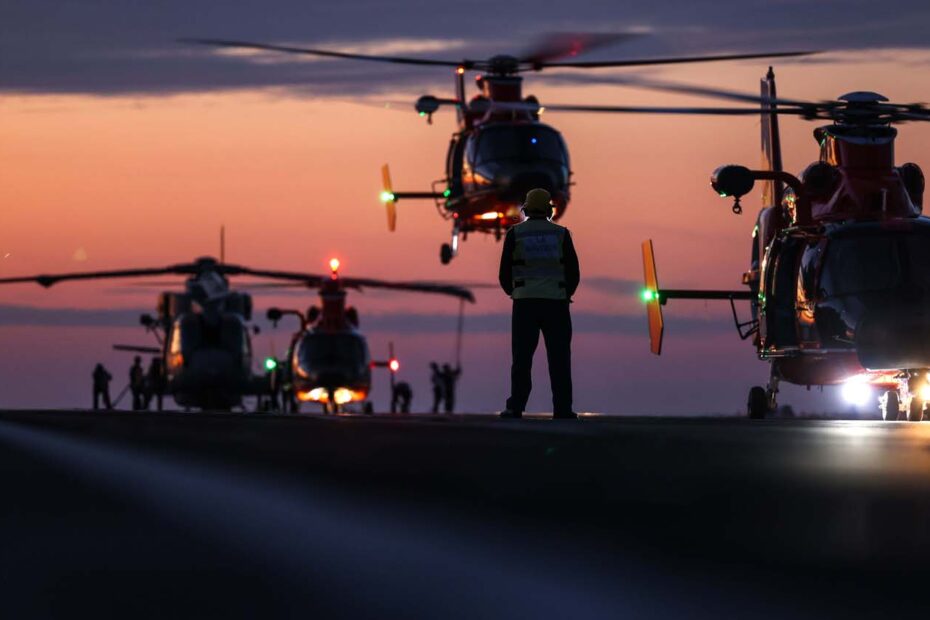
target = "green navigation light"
x: 270, y: 363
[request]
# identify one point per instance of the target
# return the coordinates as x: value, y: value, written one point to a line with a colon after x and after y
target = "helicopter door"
x: 454, y: 161
x: 780, y: 292
x: 808, y: 274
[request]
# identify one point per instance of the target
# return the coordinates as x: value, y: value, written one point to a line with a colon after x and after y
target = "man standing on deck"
x: 102, y: 387
x: 539, y: 270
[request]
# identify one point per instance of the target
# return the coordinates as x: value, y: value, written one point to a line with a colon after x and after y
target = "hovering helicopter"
x: 838, y: 280
x: 500, y: 150
x: 328, y: 360
x: 205, y: 345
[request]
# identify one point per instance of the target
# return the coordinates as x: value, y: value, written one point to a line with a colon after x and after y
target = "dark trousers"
x: 138, y: 400
x: 553, y: 319
x: 104, y: 394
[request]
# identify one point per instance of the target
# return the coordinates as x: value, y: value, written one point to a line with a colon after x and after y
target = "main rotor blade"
x: 669, y: 61
x: 310, y: 279
x: 288, y: 49
x: 557, y: 45
x: 670, y: 87
x: 561, y: 107
x: 48, y: 280
x: 416, y: 287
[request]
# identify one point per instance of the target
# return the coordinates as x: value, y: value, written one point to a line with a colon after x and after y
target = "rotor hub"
x: 503, y: 65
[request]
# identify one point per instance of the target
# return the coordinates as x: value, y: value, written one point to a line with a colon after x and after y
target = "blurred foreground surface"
x: 194, y: 515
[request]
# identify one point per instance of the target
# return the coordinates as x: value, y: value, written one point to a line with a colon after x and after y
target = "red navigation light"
x: 394, y: 365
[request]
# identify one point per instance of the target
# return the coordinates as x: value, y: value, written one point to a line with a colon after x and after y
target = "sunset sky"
x: 122, y: 148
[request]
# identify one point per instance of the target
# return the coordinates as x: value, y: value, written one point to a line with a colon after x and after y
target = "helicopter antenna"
x: 222, y: 243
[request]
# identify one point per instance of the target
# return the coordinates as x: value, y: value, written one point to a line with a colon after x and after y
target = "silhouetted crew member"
x: 102, y: 387
x: 274, y: 387
x: 539, y: 270
x: 401, y: 397
x: 137, y: 384
x: 436, y: 380
x: 155, y: 384
x: 449, y: 378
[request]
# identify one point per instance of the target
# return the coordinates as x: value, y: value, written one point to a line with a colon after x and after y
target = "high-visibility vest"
x: 538, y: 263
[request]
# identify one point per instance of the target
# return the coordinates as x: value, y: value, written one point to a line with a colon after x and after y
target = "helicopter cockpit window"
x: 519, y: 142
x: 861, y: 265
x: 875, y: 263
x: 187, y: 334
x: 333, y: 350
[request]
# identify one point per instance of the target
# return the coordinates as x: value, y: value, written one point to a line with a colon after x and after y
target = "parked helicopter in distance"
x: 500, y: 149
x: 838, y: 280
x: 204, y: 341
x: 328, y: 360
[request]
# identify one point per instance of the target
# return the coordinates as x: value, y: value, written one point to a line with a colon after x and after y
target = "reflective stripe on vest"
x: 538, y: 269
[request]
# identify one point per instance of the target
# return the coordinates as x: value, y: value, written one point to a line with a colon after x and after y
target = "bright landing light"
x: 924, y: 393
x: 856, y: 391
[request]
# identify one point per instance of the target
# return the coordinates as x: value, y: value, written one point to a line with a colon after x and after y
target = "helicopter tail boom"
x: 389, y: 197
x: 655, y: 297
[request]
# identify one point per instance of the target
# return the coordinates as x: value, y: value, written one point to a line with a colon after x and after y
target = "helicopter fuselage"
x: 332, y: 367
x: 208, y: 360
x: 491, y: 167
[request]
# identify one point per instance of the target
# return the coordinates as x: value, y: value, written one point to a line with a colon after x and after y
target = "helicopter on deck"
x: 204, y: 342
x: 838, y: 280
x: 328, y: 360
x: 500, y: 149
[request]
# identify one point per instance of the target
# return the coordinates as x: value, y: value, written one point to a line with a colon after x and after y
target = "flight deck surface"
x: 253, y: 515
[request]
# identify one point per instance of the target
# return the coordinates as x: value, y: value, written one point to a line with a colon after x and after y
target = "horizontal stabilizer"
x: 137, y: 349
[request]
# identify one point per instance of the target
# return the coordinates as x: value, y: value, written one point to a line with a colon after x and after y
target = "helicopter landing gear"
x: 758, y: 404
x: 445, y: 253
x: 890, y: 405
x: 763, y: 401
x: 448, y: 250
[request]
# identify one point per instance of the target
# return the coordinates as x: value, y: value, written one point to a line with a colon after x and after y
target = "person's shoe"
x: 511, y: 415
x: 565, y: 415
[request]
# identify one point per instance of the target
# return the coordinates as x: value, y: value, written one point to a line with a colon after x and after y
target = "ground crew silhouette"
x: 539, y: 270
x: 155, y: 384
x: 449, y: 378
x: 436, y: 380
x: 102, y: 387
x: 137, y: 384
x: 401, y: 396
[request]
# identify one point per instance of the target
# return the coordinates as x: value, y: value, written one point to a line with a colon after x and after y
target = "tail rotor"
x: 388, y: 197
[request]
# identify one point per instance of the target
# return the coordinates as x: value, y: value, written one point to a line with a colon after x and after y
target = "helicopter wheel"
x: 891, y: 406
x: 445, y: 254
x: 758, y: 404
x: 915, y: 410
